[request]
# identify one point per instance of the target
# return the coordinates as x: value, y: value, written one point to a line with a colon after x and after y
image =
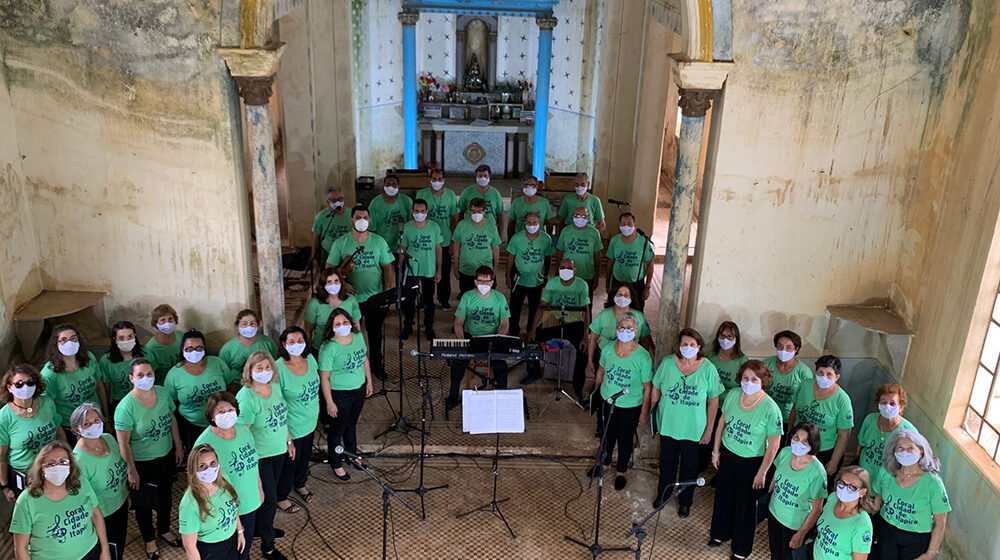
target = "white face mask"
x: 627, y: 230
x: 361, y: 225
x: 799, y: 449
x: 437, y: 185
x: 689, y: 352
x: 262, y: 376
x: 482, y: 181
x: 906, y: 458
x: 579, y: 222
x: 144, y: 383
x: 248, y: 332
x: 342, y: 330
x: 785, y: 356
x: 24, y: 393
x: 580, y: 189
x: 626, y: 335
x: 296, y: 349
x: 226, y: 420
x: 726, y: 344
x: 69, y: 348
x: 166, y: 328
x: 420, y: 217
x: 57, y: 474
x: 484, y: 288
x: 334, y: 206
x: 750, y: 388
x: 332, y: 289
x: 208, y: 475
x: 532, y: 229
x: 125, y: 345
x: 194, y: 357
x: 93, y: 432
x: 391, y: 191
x: 622, y: 301
x: 566, y: 274
x: 846, y: 495
x: 888, y: 411
x: 824, y: 382
x: 529, y: 191
x: 477, y: 217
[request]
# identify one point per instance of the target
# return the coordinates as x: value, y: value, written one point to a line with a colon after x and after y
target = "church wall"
x: 126, y: 121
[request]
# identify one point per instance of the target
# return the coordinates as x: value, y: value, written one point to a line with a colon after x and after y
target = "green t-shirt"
x: 219, y: 525
x: 267, y: 418
x: 25, y: 436
x: 115, y: 374
x: 570, y: 203
x: 482, y: 315
x: 367, y: 274
x: 911, y: 509
x: 580, y: 245
x: 440, y: 209
x: 329, y: 226
x: 631, y: 371
x: 318, y: 313
x: 477, y: 243
x: 795, y: 490
x: 784, y: 385
x: 606, y: 325
x: 746, y: 432
x: 386, y: 217
x: 727, y: 371
x: 872, y: 440
x: 70, y: 389
x: 108, y: 475
x: 163, y: 357
x: 577, y: 294
x: 683, y: 406
x: 151, y: 437
x: 519, y: 208
x: 191, y: 391
x: 238, y: 460
x: 839, y: 539
x: 529, y: 256
x: 235, y: 354
x: 494, y: 202
x: 630, y: 259
x: 420, y: 243
x: 830, y: 414
x: 60, y: 530
x: 301, y: 393
x: 345, y: 363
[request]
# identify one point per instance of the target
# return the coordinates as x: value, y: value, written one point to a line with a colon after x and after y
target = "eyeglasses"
x: 195, y: 349
x: 60, y: 463
x: 73, y: 338
x: 19, y: 384
x: 843, y: 485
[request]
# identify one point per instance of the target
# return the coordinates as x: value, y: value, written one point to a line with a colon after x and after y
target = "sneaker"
x: 445, y: 305
x: 274, y: 554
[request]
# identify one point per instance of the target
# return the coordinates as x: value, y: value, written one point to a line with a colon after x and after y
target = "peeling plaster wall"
x: 825, y: 111
x: 126, y: 119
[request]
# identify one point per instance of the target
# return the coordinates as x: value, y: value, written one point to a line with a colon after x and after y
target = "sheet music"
x: 490, y: 412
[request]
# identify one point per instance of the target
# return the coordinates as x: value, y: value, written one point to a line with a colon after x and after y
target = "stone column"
x: 545, y: 26
x: 694, y: 105
x: 409, y: 21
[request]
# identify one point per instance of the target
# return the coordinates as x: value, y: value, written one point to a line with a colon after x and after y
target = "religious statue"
x: 477, y: 53
x: 474, y: 76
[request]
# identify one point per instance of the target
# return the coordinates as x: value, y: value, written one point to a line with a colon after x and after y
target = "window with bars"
x: 982, y: 417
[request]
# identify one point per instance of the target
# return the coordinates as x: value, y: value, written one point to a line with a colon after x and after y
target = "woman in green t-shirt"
x: 797, y: 493
x: 192, y: 381
x: 114, y: 364
x: 880, y: 426
x: 209, y: 525
x: 727, y: 356
x: 57, y: 517
x: 912, y: 499
x: 827, y: 405
x: 624, y: 381
x: 102, y: 466
x: 164, y: 349
x: 345, y: 379
x: 71, y: 375
x: 328, y: 294
x: 150, y: 442
x: 844, y: 529
x: 298, y: 376
x: 248, y: 340
x: 746, y: 443
x: 27, y: 422
x: 786, y: 370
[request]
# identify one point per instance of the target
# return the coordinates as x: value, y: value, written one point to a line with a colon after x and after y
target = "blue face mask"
x: 906, y: 459
x: 626, y: 335
x: 824, y: 382
x: 689, y: 352
x: 799, y: 449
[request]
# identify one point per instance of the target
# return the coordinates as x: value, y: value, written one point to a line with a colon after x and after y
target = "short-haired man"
x: 530, y: 252
x: 482, y: 189
x: 442, y: 209
x: 330, y: 223
x: 529, y: 201
x: 582, y: 243
x: 422, y: 241
x: 389, y: 211
x: 630, y: 259
x: 476, y: 244
x: 582, y: 198
x: 480, y: 312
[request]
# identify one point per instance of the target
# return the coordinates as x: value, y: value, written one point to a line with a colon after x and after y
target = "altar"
x: 460, y: 146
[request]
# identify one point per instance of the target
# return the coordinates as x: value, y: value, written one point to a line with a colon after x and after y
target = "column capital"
x: 408, y: 18
x: 255, y: 90
x: 546, y: 23
x: 695, y: 102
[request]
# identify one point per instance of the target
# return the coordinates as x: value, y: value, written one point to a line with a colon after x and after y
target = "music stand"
x: 562, y: 326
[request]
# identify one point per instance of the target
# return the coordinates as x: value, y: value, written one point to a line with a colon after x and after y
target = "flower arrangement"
x: 524, y: 85
x: 428, y: 82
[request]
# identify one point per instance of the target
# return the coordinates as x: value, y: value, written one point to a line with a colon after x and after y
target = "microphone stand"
x: 639, y: 530
x: 386, y: 492
x: 562, y: 324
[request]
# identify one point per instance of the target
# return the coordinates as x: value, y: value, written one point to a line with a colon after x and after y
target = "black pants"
x: 161, y: 473
x: 189, y: 432
x: 897, y: 544
x: 94, y: 554
x: 270, y: 472
x: 735, y: 514
x: 427, y: 294
x: 517, y: 297
x: 466, y: 282
x: 249, y: 521
x: 705, y: 451
x: 71, y: 438
x: 824, y: 458
x: 621, y: 431
x: 572, y: 332
x: 459, y: 368
x: 296, y: 472
x: 343, y: 428
x: 223, y: 550
x: 374, y: 316
x: 116, y: 526
x: 778, y: 537
x: 638, y: 288
x: 444, y: 286
x: 674, y: 452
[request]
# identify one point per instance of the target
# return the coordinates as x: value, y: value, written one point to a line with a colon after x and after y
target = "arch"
x: 706, y: 27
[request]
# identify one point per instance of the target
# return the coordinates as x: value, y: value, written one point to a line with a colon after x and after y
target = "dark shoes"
x: 445, y: 305
x: 596, y: 472
x: 429, y: 334
x: 683, y: 511
x: 620, y: 482
x: 274, y: 554
x: 407, y: 331
x: 714, y: 543
x: 344, y: 477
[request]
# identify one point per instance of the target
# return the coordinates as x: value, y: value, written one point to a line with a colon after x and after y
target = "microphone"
x: 339, y: 450
x: 414, y: 352
x: 619, y: 202
x: 615, y: 396
x: 696, y: 482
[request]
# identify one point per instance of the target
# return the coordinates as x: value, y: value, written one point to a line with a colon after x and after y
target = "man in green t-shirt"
x: 481, y: 312
x: 530, y: 201
x: 582, y: 199
x: 565, y: 291
x: 442, y: 209
x: 329, y: 225
x: 422, y: 242
x: 476, y: 244
x: 373, y: 273
x: 582, y: 243
x: 389, y: 211
x: 630, y: 259
x: 482, y: 189
x: 530, y: 251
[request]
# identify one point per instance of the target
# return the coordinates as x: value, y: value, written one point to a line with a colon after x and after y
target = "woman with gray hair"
x: 912, y: 498
x: 102, y: 466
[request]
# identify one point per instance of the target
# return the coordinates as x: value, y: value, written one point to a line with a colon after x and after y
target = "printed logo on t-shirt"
x: 309, y: 392
x: 277, y: 416
x: 159, y: 427
x: 786, y: 492
x: 38, y: 437
x: 241, y: 460
x: 80, y: 390
x: 477, y: 241
x: 685, y: 395
x: 117, y: 474
x: 70, y: 524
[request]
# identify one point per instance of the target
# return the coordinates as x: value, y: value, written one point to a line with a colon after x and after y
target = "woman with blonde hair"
x: 209, y: 525
x: 57, y: 517
x: 844, y: 529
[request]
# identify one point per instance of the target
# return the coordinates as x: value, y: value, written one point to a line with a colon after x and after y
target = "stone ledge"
x: 252, y: 63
